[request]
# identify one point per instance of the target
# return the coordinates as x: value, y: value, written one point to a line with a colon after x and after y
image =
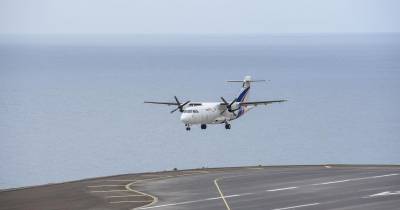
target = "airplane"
x: 204, y: 113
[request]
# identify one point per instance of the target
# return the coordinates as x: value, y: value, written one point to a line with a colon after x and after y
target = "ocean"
x: 71, y: 107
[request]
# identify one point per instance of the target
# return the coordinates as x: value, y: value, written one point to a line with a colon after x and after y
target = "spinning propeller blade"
x: 180, y: 106
x: 229, y: 106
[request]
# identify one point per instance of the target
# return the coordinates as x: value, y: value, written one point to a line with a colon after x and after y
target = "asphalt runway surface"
x: 246, y: 188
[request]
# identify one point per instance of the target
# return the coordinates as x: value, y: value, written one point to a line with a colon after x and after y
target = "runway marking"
x: 333, y: 182
x: 387, y: 193
x: 107, y: 185
x: 129, y: 188
x: 222, y: 195
x: 129, y: 201
x: 105, y: 191
x: 195, y: 201
x: 355, y: 179
x: 123, y: 196
x: 328, y: 166
x: 299, y: 206
x: 280, y: 189
x: 180, y: 203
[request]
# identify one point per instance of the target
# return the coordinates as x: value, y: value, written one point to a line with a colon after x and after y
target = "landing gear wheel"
x: 203, y: 126
x: 188, y: 128
x: 227, y: 126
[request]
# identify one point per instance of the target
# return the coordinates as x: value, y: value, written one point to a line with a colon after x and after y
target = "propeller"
x: 180, y: 106
x: 229, y: 106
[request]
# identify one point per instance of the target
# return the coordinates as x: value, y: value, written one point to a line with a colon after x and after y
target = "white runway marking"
x: 124, y: 196
x: 333, y: 182
x: 272, y: 190
x: 130, y: 202
x: 299, y: 206
x: 355, y: 179
x: 196, y: 201
x: 222, y: 195
x: 180, y: 203
x: 280, y: 189
x: 129, y: 188
x: 387, y: 193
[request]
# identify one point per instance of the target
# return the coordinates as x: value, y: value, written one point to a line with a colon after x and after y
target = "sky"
x: 197, y: 17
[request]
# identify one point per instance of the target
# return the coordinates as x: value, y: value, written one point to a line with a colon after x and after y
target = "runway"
x: 246, y: 188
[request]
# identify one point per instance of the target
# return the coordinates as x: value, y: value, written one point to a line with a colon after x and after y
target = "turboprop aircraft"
x: 203, y: 113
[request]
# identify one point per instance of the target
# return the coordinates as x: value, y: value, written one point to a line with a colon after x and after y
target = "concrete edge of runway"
x: 131, y: 190
x: 198, y: 169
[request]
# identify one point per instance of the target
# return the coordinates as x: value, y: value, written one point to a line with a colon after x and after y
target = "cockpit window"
x: 190, y: 111
x: 195, y: 104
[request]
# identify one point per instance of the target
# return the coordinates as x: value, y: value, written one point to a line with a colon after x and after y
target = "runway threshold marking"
x: 280, y: 189
x: 222, y: 195
x: 355, y: 179
x: 299, y: 206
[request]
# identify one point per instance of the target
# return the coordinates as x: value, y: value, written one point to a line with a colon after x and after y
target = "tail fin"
x: 244, y: 92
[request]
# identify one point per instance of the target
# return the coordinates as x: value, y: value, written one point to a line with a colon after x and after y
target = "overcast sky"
x: 202, y: 16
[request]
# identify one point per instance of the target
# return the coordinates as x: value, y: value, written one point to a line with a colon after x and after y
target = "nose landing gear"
x: 187, y: 127
x: 203, y: 126
x: 227, y: 125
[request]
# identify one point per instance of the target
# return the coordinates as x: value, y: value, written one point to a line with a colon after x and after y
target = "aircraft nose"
x: 185, y: 118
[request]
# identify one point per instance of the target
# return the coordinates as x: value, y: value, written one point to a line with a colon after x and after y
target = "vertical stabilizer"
x: 244, y: 92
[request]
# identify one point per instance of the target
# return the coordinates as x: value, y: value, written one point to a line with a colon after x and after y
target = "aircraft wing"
x: 255, y: 103
x: 163, y: 103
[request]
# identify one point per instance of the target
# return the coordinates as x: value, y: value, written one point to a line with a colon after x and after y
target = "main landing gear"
x: 203, y: 126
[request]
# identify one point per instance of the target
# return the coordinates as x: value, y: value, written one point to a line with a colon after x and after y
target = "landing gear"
x: 203, y: 126
x: 187, y: 127
x: 227, y: 126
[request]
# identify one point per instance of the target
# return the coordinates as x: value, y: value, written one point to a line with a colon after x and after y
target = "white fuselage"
x: 217, y: 112
x: 208, y: 113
